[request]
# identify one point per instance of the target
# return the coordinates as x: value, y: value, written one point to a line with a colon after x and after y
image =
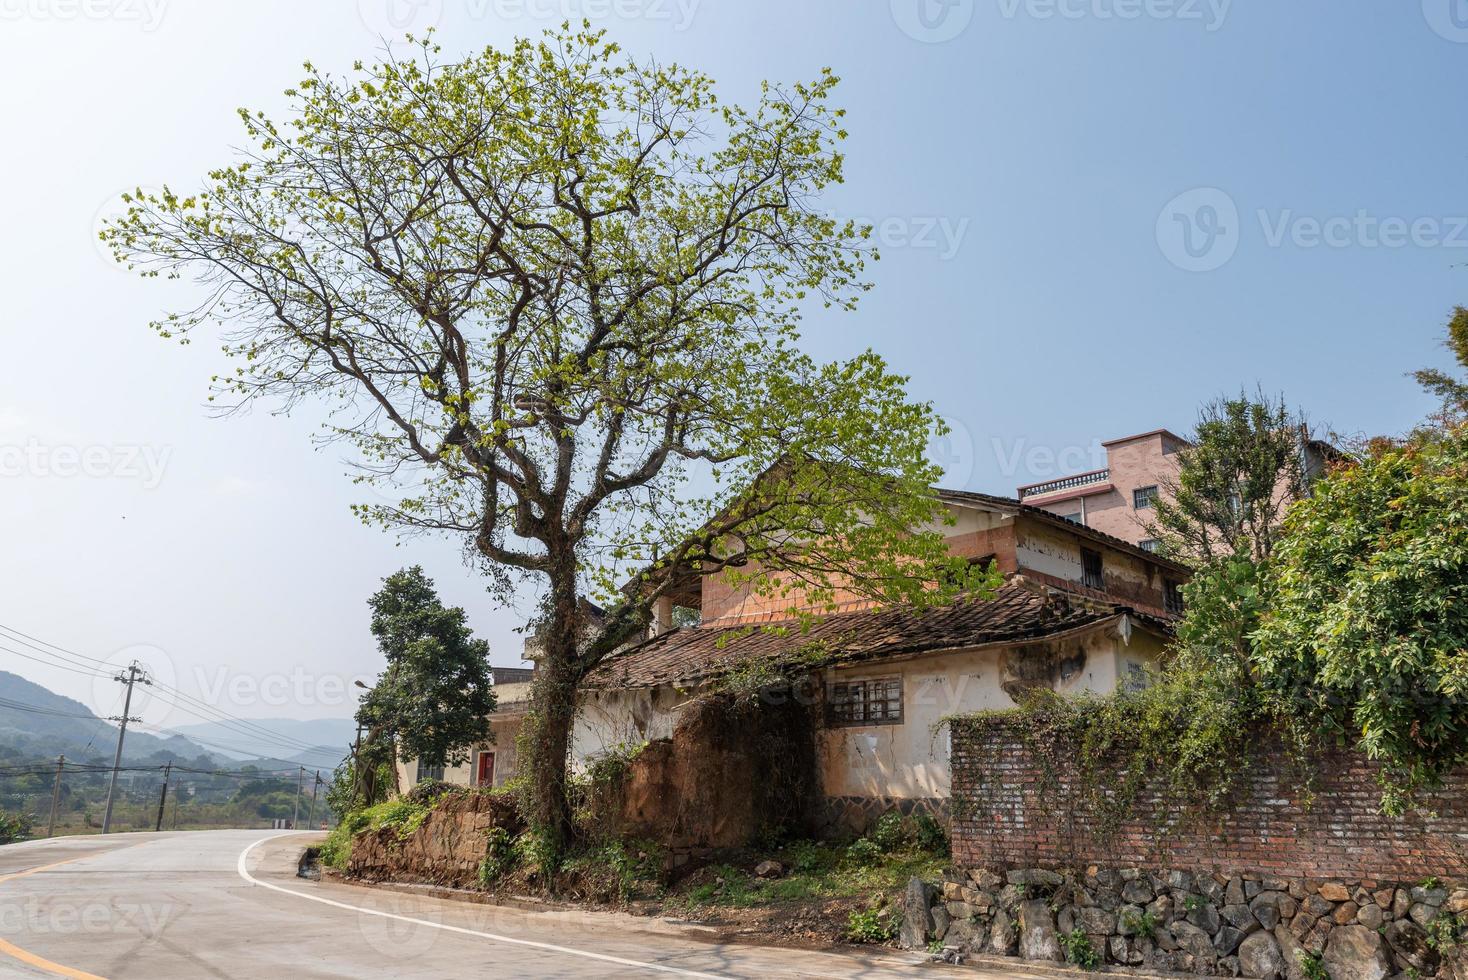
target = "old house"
x: 1080, y: 611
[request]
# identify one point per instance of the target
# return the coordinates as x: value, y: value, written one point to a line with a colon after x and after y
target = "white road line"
x: 551, y: 947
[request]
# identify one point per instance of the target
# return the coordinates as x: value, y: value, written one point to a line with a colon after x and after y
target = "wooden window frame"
x: 843, y: 710
x: 1099, y: 580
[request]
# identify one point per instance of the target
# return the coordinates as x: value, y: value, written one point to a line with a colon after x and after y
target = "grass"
x: 398, y: 812
x: 816, y: 873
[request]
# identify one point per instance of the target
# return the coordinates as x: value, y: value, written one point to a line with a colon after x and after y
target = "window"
x: 1074, y: 518
x: 1144, y: 497
x: 427, y: 772
x: 1151, y: 544
x: 1091, y: 576
x: 871, y: 701
x: 1172, y: 596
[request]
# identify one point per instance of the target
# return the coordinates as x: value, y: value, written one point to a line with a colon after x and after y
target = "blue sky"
x: 1094, y: 214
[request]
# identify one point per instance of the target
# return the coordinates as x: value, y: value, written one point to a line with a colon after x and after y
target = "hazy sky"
x: 1094, y: 214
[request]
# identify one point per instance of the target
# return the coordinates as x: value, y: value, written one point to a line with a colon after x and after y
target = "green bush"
x: 863, y: 851
x: 14, y: 827
x: 499, y: 856
x: 928, y: 834
x: 870, y: 926
x: 1079, y: 951
x: 891, y: 832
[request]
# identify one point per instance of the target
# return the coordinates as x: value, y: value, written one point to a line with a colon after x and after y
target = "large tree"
x: 433, y: 700
x: 1453, y: 391
x: 560, y: 288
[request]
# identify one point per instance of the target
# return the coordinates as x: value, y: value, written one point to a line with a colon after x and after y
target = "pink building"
x: 1117, y: 500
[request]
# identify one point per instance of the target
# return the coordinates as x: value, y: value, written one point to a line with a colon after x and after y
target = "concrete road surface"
x: 228, y: 904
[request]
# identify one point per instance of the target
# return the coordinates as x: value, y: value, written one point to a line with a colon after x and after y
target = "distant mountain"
x: 330, y: 739
x: 36, y: 722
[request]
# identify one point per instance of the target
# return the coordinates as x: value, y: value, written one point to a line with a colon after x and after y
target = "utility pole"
x: 55, y: 796
x: 315, y: 790
x: 133, y: 675
x: 163, y: 797
x: 296, y: 813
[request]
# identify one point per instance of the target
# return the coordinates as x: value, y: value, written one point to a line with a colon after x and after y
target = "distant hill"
x: 329, y: 738
x: 36, y: 722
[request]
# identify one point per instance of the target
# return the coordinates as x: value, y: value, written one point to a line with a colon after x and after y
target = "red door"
x: 486, y: 769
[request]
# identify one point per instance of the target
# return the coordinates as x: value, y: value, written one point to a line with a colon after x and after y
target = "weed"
x: 870, y: 926
x: 1312, y: 966
x: 1444, y: 931
x: 1079, y: 951
x: 864, y: 851
x: 1431, y: 882
x: 499, y: 856
x: 1144, y: 925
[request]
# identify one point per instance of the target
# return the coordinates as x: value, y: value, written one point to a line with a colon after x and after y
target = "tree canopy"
x: 1235, y: 481
x: 435, y: 697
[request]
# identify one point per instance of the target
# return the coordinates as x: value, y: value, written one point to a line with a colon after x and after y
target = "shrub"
x: 863, y: 851
x: 891, y: 832
x: 1078, y: 950
x: 14, y: 827
x: 499, y: 856
x: 929, y: 835
x: 428, y: 791
x: 870, y: 926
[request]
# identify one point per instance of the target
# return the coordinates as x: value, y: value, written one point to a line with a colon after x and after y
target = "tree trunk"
x: 546, y: 745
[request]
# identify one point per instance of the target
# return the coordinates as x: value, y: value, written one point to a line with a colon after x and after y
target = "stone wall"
x: 447, y: 847
x: 1013, y: 810
x: 1214, y: 925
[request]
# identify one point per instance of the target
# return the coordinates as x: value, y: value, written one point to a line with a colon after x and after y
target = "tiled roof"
x: 1017, y: 613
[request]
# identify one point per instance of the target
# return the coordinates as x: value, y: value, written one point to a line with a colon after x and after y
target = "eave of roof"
x: 1010, y: 505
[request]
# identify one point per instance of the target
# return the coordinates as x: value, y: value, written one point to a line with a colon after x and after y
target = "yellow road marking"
x: 40, y: 962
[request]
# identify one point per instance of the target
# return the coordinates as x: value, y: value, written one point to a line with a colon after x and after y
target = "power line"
x: 250, y: 728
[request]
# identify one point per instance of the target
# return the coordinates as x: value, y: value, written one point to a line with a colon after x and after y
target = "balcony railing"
x: 1065, y: 483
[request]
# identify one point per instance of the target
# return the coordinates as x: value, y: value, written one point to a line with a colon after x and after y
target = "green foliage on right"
x: 1367, y: 620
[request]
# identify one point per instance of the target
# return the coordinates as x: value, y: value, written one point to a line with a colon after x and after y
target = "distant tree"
x: 1367, y: 620
x: 560, y: 290
x: 1452, y: 391
x: 1235, y: 482
x: 434, y: 699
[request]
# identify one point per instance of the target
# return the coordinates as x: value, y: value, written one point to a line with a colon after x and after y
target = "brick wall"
x: 1008, y: 812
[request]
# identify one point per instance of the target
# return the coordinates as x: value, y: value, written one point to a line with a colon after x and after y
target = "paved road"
x: 228, y: 904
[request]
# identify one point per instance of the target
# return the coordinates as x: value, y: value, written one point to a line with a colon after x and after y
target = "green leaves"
x: 1367, y: 623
